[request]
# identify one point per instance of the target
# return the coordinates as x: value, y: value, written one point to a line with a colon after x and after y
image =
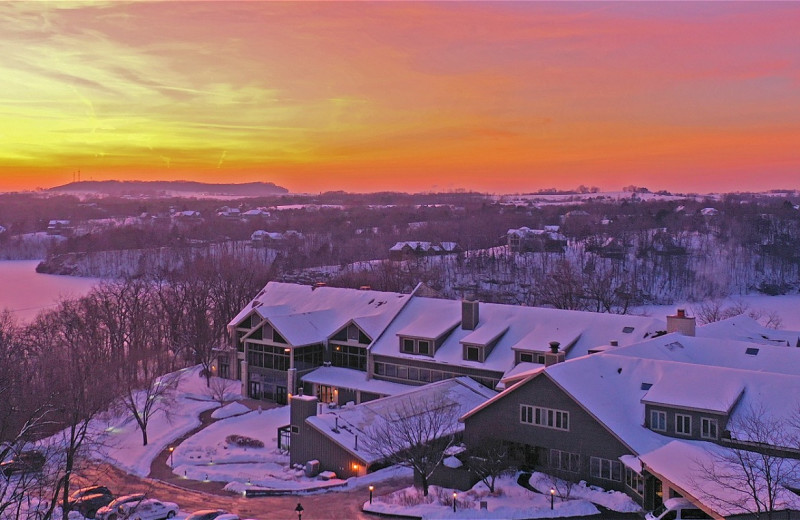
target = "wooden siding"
x: 586, y: 436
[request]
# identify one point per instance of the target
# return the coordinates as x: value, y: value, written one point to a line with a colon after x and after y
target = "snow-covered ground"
x: 123, y: 439
x: 509, y: 501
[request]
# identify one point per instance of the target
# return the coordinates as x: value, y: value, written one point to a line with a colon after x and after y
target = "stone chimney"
x: 555, y: 355
x: 682, y: 323
x: 469, y: 314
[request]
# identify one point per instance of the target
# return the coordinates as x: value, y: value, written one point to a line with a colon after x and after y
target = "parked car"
x: 677, y: 509
x: 207, y: 514
x: 88, y: 505
x: 227, y: 517
x: 149, y: 509
x: 111, y: 511
x: 25, y: 462
x: 89, y: 490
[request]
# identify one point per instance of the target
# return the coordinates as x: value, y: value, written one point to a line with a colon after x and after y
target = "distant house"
x: 187, y: 216
x: 256, y: 214
x: 331, y: 435
x: 524, y: 240
x: 229, y: 213
x: 611, y: 247
x: 409, y: 250
x: 60, y: 228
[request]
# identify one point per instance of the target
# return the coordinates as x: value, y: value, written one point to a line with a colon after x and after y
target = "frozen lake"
x: 26, y: 292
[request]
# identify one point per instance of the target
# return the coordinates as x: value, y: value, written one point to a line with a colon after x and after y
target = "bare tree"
x: 489, y: 461
x: 220, y: 389
x: 753, y: 471
x: 415, y: 434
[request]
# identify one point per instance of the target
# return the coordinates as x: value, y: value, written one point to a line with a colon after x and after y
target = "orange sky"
x: 497, y: 97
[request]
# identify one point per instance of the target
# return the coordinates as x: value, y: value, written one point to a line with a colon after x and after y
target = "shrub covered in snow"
x: 245, y: 442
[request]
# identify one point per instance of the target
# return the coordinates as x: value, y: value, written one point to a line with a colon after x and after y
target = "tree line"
x: 107, y: 352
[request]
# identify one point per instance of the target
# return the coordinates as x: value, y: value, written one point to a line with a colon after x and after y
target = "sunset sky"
x: 497, y: 97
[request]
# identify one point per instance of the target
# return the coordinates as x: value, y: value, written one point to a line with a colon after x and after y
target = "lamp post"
x: 299, y: 511
x: 455, y: 495
x: 171, y: 465
x: 371, y: 489
x: 552, y: 497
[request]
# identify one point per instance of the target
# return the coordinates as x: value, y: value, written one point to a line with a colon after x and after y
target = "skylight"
x: 627, y: 330
x: 647, y: 386
x: 751, y: 351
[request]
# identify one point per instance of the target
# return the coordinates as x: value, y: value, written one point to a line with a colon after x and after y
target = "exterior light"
x: 552, y: 497
x: 455, y: 496
x: 171, y: 465
x: 371, y: 489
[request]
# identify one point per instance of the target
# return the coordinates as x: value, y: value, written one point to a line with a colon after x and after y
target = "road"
x: 319, y: 506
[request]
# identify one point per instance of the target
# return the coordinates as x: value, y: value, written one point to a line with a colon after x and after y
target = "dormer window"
x: 416, y: 346
x: 472, y: 353
x: 424, y: 346
x: 709, y: 428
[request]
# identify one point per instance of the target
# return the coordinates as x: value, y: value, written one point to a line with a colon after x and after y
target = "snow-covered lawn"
x: 614, y: 500
x: 122, y: 444
x: 510, y: 501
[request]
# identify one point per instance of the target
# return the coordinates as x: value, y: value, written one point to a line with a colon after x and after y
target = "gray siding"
x: 722, y: 421
x: 586, y: 436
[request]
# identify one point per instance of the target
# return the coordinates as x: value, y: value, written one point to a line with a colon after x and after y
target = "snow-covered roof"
x: 486, y: 334
x: 681, y: 391
x: 682, y: 463
x: 354, y: 379
x: 611, y: 387
x: 305, y: 314
x: 745, y: 328
x: 461, y: 392
x: 528, y: 328
x: 711, y: 351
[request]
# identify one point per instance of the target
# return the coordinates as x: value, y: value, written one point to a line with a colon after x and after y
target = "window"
x: 349, y: 356
x: 565, y: 461
x: 424, y: 346
x: 634, y: 481
x: 546, y: 417
x: 472, y: 353
x: 295, y: 429
x: 605, y: 469
x: 408, y: 346
x: 658, y: 420
x: 683, y: 424
x: 540, y: 359
x: 525, y: 357
x: 352, y: 333
x: 708, y: 428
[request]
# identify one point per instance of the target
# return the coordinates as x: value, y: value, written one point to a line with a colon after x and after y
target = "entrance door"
x: 280, y: 394
x: 254, y: 390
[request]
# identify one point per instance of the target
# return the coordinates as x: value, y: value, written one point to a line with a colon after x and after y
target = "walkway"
x: 161, y: 469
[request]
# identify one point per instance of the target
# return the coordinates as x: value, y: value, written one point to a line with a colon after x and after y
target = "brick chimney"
x: 469, y: 314
x: 682, y: 323
x: 555, y: 355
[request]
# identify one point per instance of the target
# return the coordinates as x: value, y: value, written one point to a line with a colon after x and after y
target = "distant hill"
x: 171, y: 188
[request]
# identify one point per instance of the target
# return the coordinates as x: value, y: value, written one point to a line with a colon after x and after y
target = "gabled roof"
x: 304, y: 314
x: 461, y: 392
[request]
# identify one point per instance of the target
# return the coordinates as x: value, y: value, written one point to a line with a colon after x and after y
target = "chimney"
x: 469, y: 314
x: 555, y: 355
x: 682, y: 323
